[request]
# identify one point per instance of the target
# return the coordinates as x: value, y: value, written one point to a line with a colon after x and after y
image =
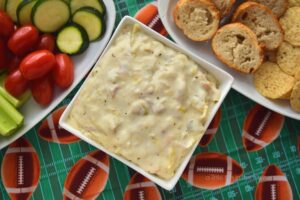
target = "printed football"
x: 88, y: 177
x: 141, y: 188
x: 50, y: 130
x: 211, y: 130
x: 261, y: 127
x: 20, y: 170
x: 273, y: 184
x: 149, y: 16
x: 212, y: 170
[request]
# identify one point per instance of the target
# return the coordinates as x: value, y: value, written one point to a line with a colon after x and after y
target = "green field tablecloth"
x: 56, y: 160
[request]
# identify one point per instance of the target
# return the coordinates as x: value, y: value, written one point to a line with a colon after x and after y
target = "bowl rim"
x: 225, y: 83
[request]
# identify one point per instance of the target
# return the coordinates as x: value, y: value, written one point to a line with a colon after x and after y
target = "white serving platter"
x: 242, y: 83
x: 224, y: 79
x: 32, y: 112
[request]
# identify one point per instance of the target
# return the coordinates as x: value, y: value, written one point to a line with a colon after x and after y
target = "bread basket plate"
x: 32, y: 112
x: 225, y: 82
x: 242, y: 83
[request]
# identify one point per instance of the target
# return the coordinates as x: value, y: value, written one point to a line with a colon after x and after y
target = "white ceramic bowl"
x: 32, y: 112
x: 224, y: 79
x: 242, y: 83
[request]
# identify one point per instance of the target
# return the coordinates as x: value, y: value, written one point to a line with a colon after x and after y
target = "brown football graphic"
x: 212, y: 170
x: 261, y: 127
x: 141, y: 188
x: 20, y: 170
x: 88, y: 177
x: 50, y: 130
x: 211, y: 130
x: 149, y: 16
x: 273, y: 184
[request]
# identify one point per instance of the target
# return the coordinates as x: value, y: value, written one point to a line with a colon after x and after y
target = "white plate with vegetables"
x: 60, y: 30
x: 242, y: 83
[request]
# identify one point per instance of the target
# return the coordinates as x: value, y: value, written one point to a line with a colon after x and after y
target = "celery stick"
x: 2, y: 78
x: 7, y: 125
x: 11, y: 99
x: 24, y: 98
x: 11, y: 111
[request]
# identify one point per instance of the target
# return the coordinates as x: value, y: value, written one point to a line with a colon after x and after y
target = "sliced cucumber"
x: 11, y: 8
x: 72, y: 39
x: 2, y: 4
x: 50, y: 15
x: 97, y: 4
x: 24, y: 12
x: 91, y: 20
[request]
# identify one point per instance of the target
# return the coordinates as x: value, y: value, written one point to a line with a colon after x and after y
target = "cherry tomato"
x: 15, y: 83
x: 3, y: 55
x: 13, y: 64
x: 42, y: 90
x: 23, y: 40
x: 6, y: 25
x: 63, y: 71
x: 46, y: 42
x: 37, y: 64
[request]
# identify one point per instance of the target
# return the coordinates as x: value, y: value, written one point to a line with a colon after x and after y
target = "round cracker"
x: 295, y: 97
x: 271, y: 82
x: 291, y: 25
x: 288, y: 58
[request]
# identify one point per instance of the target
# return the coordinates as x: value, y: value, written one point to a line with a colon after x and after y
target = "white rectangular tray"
x: 224, y: 79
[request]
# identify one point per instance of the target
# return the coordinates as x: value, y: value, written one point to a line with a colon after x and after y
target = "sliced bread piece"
x: 288, y: 58
x: 293, y: 3
x: 237, y: 46
x: 198, y: 19
x: 271, y: 82
x: 290, y: 23
x: 224, y: 6
x: 262, y: 21
x: 277, y: 6
x: 295, y: 97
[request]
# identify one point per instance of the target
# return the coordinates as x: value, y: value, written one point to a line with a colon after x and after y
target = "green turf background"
x: 56, y: 160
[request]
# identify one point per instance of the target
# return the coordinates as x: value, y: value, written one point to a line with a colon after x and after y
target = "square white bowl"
x: 225, y: 82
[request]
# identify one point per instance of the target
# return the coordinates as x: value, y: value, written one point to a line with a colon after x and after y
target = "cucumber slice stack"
x: 91, y: 20
x: 24, y: 12
x: 50, y: 15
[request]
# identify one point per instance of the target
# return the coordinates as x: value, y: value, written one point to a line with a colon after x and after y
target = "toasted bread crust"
x: 278, y: 7
x: 232, y: 59
x: 269, y: 37
x: 224, y: 8
x: 206, y: 18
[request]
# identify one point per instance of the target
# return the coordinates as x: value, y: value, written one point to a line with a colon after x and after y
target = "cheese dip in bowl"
x: 145, y: 102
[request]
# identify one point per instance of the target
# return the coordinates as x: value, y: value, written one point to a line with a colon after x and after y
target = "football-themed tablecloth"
x: 248, y: 152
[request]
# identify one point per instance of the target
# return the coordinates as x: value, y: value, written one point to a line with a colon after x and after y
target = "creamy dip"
x: 145, y: 102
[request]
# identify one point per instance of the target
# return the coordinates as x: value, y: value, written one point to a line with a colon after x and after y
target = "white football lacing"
x: 273, y: 191
x: 86, y: 180
x: 154, y: 21
x: 20, y: 170
x: 263, y: 123
x: 210, y: 169
x: 141, y: 195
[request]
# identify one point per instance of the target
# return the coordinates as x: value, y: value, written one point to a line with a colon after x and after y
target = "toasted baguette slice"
x: 290, y: 23
x: 237, y: 46
x: 288, y: 58
x: 273, y: 83
x: 277, y: 6
x: 224, y: 6
x: 295, y: 97
x: 198, y: 19
x: 262, y: 21
x: 293, y: 3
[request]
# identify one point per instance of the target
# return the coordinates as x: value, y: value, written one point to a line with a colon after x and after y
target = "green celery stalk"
x: 11, y: 111
x: 7, y: 125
